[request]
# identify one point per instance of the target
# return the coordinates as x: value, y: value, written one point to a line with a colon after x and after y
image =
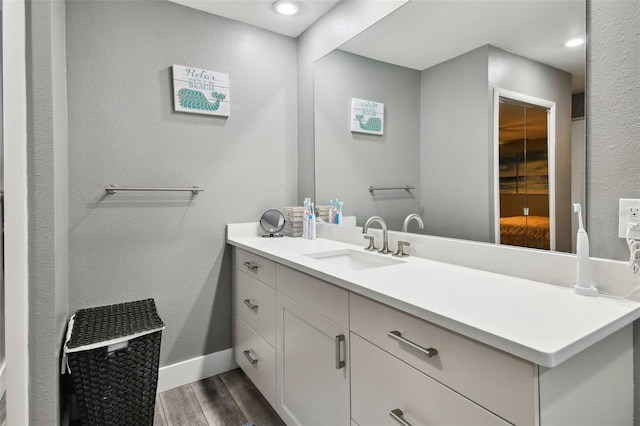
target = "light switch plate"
x: 629, y: 212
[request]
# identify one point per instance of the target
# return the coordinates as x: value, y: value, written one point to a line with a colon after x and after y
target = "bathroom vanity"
x: 333, y: 335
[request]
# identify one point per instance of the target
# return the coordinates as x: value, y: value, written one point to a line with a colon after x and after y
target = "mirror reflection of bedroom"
x: 524, y: 174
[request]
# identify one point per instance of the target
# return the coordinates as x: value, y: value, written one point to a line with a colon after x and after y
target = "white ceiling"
x: 259, y: 13
x: 423, y: 33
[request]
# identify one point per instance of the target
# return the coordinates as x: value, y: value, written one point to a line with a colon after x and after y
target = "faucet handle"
x: 372, y: 245
x: 400, y: 252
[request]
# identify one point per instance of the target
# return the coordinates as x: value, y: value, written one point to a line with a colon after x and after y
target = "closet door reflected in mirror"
x: 524, y: 174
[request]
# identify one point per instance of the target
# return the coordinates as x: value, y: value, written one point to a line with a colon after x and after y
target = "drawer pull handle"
x: 428, y: 352
x: 250, y: 305
x: 339, y: 361
x: 251, y: 359
x: 250, y: 265
x: 397, y: 416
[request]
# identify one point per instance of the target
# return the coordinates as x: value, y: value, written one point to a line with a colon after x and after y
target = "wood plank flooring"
x: 229, y: 399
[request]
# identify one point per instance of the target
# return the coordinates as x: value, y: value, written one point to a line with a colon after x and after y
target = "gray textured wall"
x: 123, y: 130
x: 613, y: 131
x: 48, y: 197
x: 613, y: 121
x: 347, y: 163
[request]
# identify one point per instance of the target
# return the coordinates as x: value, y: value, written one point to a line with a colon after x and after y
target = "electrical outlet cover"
x: 629, y: 213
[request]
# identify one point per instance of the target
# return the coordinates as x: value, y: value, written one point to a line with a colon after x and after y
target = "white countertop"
x: 539, y: 322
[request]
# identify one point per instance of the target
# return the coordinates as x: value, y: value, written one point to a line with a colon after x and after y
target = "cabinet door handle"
x: 250, y: 305
x: 339, y: 361
x: 428, y: 352
x: 250, y: 265
x: 397, y: 416
x: 251, y: 359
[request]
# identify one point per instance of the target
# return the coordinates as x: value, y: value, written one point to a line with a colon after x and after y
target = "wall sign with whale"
x: 200, y: 91
x: 367, y: 116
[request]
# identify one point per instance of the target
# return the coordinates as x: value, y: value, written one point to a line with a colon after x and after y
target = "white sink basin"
x: 353, y: 260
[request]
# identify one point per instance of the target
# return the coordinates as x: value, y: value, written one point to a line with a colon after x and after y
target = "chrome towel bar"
x: 388, y: 188
x: 112, y: 189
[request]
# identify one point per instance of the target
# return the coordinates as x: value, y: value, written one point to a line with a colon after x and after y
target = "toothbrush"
x: 331, y: 216
x: 583, y: 285
x: 305, y: 219
x: 312, y: 223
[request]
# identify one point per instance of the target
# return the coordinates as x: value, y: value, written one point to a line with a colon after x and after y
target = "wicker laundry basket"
x: 113, y: 353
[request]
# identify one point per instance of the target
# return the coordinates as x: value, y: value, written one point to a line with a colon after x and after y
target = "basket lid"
x: 113, y: 322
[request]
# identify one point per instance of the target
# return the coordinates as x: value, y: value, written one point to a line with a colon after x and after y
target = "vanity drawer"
x: 262, y: 369
x: 256, y: 266
x: 381, y: 383
x: 326, y: 299
x: 255, y: 303
x: 498, y: 381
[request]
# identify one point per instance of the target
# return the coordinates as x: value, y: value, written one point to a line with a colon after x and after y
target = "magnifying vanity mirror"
x: 272, y: 222
x: 461, y: 83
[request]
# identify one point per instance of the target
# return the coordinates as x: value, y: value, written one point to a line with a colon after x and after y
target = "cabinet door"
x: 313, y: 367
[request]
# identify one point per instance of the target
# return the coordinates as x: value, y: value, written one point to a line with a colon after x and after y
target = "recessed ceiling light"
x: 574, y: 42
x: 285, y: 7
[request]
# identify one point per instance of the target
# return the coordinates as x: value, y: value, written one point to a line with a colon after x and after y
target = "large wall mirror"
x: 477, y: 99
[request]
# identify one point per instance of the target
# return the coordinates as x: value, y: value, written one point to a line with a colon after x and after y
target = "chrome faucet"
x: 385, y: 232
x: 408, y: 219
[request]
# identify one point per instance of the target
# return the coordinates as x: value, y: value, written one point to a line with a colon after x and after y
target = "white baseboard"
x: 192, y: 370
